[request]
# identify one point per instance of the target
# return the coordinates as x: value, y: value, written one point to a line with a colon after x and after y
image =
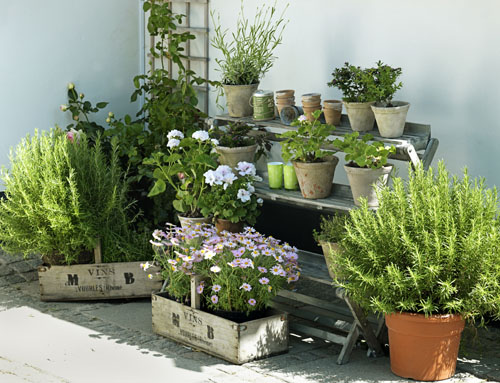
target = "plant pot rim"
x: 247, y: 85
x: 397, y: 105
x: 332, y: 101
x: 237, y: 148
x: 355, y: 103
x: 329, y: 159
x: 418, y: 317
x: 356, y: 168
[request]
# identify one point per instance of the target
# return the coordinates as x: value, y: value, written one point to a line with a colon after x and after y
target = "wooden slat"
x: 430, y: 151
x: 323, y: 334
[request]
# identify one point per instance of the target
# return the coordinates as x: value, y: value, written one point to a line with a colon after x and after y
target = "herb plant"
x: 362, y: 154
x: 332, y: 228
x: 431, y: 247
x: 355, y: 83
x: 249, y: 53
x: 305, y: 144
x: 241, y: 272
x: 385, y: 82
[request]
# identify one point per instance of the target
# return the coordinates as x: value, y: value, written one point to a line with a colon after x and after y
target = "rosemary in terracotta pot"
x: 427, y: 258
x: 314, y: 166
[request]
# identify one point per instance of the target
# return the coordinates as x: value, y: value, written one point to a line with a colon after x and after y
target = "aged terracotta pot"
x: 231, y: 156
x: 424, y: 348
x: 186, y: 221
x: 308, y: 111
x: 363, y: 182
x: 360, y: 115
x: 238, y: 99
x: 332, y: 109
x: 315, y: 178
x: 391, y: 120
x: 232, y: 227
x: 328, y: 249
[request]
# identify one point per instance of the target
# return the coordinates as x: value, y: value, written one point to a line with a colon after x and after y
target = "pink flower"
x: 214, y: 299
x: 264, y: 281
x: 216, y: 288
x: 70, y: 136
x: 246, y: 287
x: 262, y: 269
x: 199, y: 289
x: 252, y: 302
x: 302, y: 118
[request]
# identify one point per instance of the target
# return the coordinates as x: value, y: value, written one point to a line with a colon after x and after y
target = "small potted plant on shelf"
x: 233, y: 279
x: 390, y: 115
x: 247, y: 56
x: 239, y: 142
x: 359, y: 94
x: 314, y: 166
x: 183, y: 167
x: 231, y: 198
x: 428, y: 259
x: 332, y: 230
x: 366, y: 167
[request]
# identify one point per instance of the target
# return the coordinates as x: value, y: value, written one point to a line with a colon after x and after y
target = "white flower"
x: 210, y: 177
x: 243, y: 195
x: 302, y: 118
x: 71, y: 86
x: 209, y: 254
x: 246, y: 168
x: 215, y: 141
x: 257, y: 178
x: 250, y: 188
x: 225, y: 175
x: 175, y: 134
x: 260, y: 201
x: 200, y: 135
x: 173, y: 142
x: 215, y: 269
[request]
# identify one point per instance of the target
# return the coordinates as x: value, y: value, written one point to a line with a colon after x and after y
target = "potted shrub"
x: 237, y: 145
x: 66, y: 201
x: 314, y: 166
x: 390, y: 115
x: 366, y: 167
x: 332, y: 230
x: 358, y: 88
x: 233, y: 278
x: 183, y: 167
x: 247, y: 55
x: 231, y: 198
x: 428, y: 258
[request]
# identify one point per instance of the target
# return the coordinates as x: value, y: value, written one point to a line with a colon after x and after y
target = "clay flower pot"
x: 363, y: 182
x: 391, y: 120
x: 285, y: 93
x: 186, y: 221
x: 360, y: 115
x: 328, y: 249
x: 231, y: 156
x: 424, y: 348
x: 225, y: 224
x: 315, y: 178
x: 332, y: 109
x: 238, y: 99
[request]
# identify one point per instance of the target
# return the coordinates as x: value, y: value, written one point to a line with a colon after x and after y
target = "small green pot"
x: 275, y: 173
x: 291, y: 182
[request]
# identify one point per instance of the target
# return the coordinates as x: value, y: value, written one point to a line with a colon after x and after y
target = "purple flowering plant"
x: 232, y: 193
x: 240, y: 271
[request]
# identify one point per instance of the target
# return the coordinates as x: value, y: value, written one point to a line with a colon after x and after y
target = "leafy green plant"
x: 332, y: 228
x: 231, y: 196
x: 249, y: 53
x: 385, y: 82
x: 61, y: 196
x: 362, y: 154
x: 431, y: 247
x: 355, y: 83
x: 305, y: 144
x: 183, y: 168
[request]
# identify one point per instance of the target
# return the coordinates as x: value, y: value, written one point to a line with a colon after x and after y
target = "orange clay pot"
x: 232, y: 227
x: 424, y: 348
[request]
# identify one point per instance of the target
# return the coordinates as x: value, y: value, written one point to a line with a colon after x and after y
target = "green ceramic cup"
x: 291, y: 182
x: 275, y: 172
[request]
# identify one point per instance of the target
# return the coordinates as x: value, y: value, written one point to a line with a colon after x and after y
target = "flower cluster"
x: 240, y: 272
x: 232, y: 195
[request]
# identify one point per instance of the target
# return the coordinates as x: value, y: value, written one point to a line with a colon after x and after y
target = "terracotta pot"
x: 310, y: 104
x: 238, y: 99
x: 285, y: 93
x: 363, y: 182
x: 282, y: 102
x: 328, y: 249
x: 187, y: 221
x: 315, y: 178
x: 308, y: 111
x: 391, y: 120
x: 225, y: 224
x: 360, y: 115
x: 311, y: 97
x: 424, y: 348
x: 231, y: 156
x: 332, y: 109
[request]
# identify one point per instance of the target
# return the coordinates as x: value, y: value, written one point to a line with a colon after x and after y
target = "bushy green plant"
x: 385, y: 82
x: 61, y: 196
x: 432, y: 247
x: 305, y: 144
x: 355, y: 83
x: 248, y: 55
x: 360, y: 153
x: 332, y: 228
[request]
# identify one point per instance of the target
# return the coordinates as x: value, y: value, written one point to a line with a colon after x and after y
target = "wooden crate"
x: 235, y: 342
x: 97, y: 281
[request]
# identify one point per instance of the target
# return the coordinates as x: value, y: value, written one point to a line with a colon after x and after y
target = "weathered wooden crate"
x: 235, y: 342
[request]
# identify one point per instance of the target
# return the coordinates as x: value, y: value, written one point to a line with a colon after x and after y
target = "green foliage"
x: 361, y: 154
x: 332, y: 228
x: 249, y: 54
x: 61, y: 196
x: 431, y: 247
x: 385, y: 82
x: 305, y: 144
x: 356, y: 84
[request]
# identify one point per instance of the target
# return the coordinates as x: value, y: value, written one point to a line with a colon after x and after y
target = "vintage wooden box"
x: 235, y: 342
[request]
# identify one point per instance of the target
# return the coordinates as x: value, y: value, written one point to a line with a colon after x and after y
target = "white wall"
x: 46, y: 44
x: 448, y: 50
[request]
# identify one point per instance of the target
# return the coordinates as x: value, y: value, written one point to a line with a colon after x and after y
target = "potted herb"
x: 247, y: 55
x: 390, y: 115
x: 332, y: 230
x: 239, y: 142
x: 428, y: 258
x: 234, y: 278
x: 359, y: 94
x: 314, y: 166
x: 231, y: 198
x: 367, y: 168
x: 183, y: 167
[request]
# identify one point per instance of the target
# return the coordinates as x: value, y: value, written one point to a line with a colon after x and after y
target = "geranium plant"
x: 305, y: 144
x: 241, y: 272
x: 232, y: 196
x: 360, y: 153
x: 183, y: 167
